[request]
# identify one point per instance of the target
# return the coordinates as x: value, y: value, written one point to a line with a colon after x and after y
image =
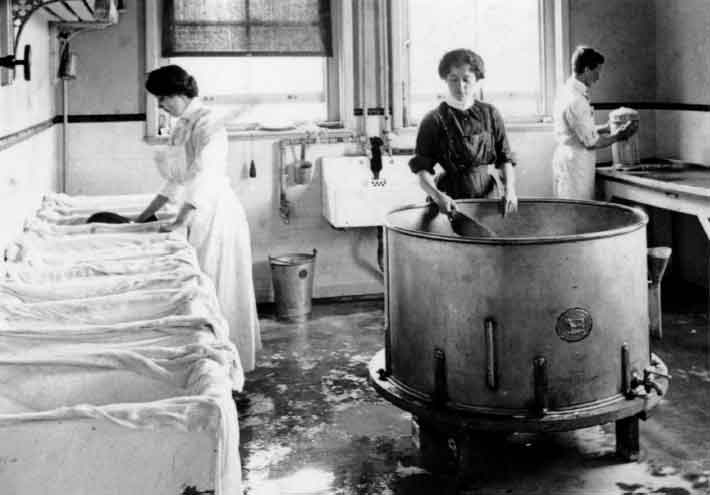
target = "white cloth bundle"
x: 185, y: 388
x: 35, y: 248
x: 43, y: 227
x: 165, y: 332
x: 95, y: 202
x: 78, y: 288
x: 114, y: 308
x: 22, y: 272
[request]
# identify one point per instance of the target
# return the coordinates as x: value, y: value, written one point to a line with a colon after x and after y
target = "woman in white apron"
x: 578, y: 138
x: 195, y: 172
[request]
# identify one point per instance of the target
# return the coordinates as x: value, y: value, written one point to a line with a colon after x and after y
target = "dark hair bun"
x: 171, y: 80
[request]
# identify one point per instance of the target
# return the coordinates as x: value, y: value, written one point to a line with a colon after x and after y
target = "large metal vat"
x: 542, y: 326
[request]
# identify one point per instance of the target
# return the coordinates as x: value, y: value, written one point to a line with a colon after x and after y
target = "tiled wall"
x: 30, y: 168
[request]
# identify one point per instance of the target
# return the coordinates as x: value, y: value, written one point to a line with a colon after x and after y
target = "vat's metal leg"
x: 627, y: 438
x: 464, y: 453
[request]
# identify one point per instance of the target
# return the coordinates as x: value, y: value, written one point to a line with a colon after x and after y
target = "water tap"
x: 376, y: 156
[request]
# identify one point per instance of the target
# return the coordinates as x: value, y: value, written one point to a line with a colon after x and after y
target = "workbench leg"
x: 627, y: 438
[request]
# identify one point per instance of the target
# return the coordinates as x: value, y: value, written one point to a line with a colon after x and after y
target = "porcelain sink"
x: 352, y: 197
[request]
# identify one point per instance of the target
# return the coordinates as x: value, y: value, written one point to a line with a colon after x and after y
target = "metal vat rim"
x: 642, y: 220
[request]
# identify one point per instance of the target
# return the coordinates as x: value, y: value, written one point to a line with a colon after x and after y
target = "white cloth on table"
x: 184, y: 387
x: 23, y: 272
x: 195, y: 169
x: 115, y: 308
x: 572, y: 163
x: 82, y: 287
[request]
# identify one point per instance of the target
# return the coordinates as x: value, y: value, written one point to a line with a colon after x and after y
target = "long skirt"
x: 220, y: 235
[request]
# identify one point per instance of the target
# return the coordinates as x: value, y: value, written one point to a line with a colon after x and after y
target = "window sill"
x: 324, y: 135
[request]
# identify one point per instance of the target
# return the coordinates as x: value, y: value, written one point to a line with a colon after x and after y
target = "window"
x: 272, y: 58
x: 515, y: 38
x: 274, y: 92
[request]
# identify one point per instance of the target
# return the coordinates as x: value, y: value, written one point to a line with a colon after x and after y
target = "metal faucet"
x: 376, y: 156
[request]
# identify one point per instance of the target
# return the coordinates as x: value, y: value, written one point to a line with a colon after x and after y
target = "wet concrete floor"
x: 310, y: 423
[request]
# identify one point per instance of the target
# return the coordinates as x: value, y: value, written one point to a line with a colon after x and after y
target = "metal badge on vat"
x: 574, y: 324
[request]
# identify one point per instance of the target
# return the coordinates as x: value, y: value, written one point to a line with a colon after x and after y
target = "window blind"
x: 246, y: 27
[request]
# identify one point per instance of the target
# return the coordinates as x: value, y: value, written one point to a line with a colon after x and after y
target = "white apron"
x: 573, y: 172
x: 573, y: 165
x: 219, y: 230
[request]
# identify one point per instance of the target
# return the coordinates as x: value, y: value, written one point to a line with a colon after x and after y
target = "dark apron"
x: 467, y: 174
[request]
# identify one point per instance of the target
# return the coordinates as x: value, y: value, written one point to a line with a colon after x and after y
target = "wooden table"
x: 671, y: 185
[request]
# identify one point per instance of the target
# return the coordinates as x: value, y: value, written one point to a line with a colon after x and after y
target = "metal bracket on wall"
x: 75, y: 13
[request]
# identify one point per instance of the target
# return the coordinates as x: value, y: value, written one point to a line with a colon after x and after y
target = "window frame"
x: 338, y: 85
x: 553, y: 19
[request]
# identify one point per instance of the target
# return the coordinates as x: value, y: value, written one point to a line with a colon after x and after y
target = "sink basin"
x: 353, y: 198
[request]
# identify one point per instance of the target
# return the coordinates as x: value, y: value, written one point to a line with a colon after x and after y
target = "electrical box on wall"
x: 353, y: 197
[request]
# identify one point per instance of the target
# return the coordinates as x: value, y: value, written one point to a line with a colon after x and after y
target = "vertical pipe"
x: 361, y: 66
x: 382, y: 8
x: 65, y: 136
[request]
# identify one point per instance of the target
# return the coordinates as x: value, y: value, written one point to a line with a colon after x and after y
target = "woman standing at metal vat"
x: 576, y: 134
x: 195, y: 173
x: 467, y: 138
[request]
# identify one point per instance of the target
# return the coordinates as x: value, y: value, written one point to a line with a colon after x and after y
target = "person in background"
x: 195, y: 173
x: 574, y: 159
x: 467, y: 138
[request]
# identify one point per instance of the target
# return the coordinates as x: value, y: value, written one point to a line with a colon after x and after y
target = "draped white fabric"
x: 115, y: 325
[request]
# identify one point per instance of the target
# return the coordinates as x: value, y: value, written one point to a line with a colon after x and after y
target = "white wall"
x: 683, y: 75
x: 624, y: 32
x: 29, y: 168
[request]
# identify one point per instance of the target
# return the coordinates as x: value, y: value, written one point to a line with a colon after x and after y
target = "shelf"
x: 77, y: 13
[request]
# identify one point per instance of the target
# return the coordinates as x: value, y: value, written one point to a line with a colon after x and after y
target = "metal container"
x: 292, y: 276
x: 550, y: 314
x: 624, y: 152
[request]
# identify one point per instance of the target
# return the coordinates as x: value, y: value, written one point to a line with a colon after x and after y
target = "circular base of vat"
x: 449, y: 418
x: 450, y: 440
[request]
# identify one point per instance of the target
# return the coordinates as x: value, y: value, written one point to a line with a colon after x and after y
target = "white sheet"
x: 115, y: 308
x: 78, y: 288
x: 189, y: 385
x: 22, y: 272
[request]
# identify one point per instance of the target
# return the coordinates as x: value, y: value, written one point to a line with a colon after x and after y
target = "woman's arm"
x: 183, y: 219
x: 157, y: 203
x: 442, y: 200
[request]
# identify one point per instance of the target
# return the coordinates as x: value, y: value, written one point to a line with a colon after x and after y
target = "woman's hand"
x: 627, y: 130
x: 445, y: 203
x: 510, y: 202
x: 171, y: 227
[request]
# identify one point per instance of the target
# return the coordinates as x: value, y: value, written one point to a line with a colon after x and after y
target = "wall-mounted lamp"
x: 10, y: 62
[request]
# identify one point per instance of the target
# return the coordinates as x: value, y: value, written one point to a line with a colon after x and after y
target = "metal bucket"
x: 292, y: 276
x: 535, y: 317
x: 624, y: 152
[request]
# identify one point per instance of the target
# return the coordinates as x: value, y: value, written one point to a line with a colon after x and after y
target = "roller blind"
x: 246, y: 27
